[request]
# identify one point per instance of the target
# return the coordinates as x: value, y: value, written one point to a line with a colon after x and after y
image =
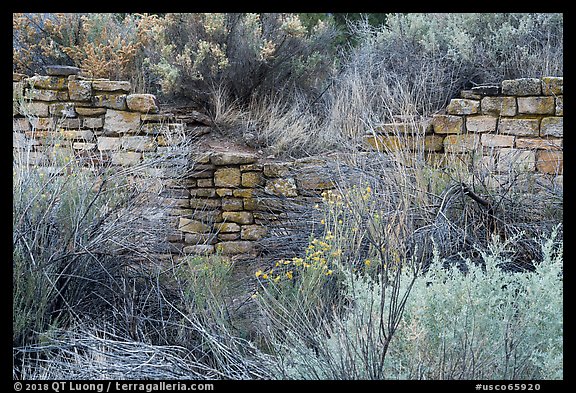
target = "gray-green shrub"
x: 484, y: 323
x: 434, y: 56
x: 71, y: 226
x: 247, y: 54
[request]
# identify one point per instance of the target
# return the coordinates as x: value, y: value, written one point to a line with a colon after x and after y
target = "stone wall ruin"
x: 228, y: 197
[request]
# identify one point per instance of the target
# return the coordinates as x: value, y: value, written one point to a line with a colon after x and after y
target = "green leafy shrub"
x: 248, y: 55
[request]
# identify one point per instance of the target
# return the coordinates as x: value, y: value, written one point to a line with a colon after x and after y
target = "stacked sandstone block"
x: 219, y: 212
x: 93, y: 118
x: 216, y: 201
x: 515, y: 126
x: 233, y: 197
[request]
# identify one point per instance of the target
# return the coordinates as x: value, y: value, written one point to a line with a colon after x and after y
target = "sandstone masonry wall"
x: 234, y: 196
x: 222, y: 200
x: 516, y: 125
x: 100, y: 119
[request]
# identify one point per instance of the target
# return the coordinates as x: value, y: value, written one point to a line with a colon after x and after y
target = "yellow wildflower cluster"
x: 366, y: 193
x: 340, y: 204
x: 318, y: 257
